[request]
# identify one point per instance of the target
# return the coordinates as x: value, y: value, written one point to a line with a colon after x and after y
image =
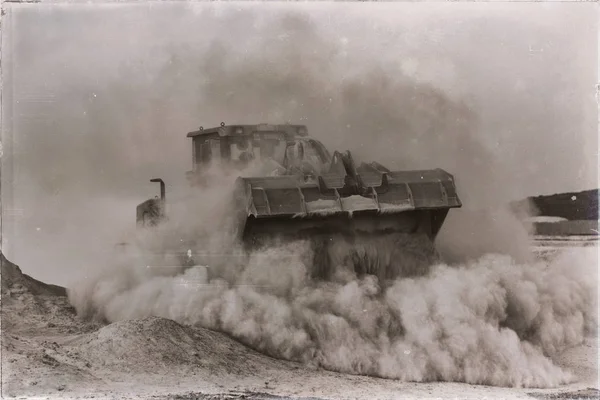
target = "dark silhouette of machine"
x: 310, y: 192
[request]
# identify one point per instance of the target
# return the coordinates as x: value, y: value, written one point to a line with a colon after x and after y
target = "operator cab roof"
x: 242, y: 130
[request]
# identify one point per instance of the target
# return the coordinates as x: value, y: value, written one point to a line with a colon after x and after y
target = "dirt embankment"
x: 35, y: 317
x: 13, y: 279
x: 48, y: 350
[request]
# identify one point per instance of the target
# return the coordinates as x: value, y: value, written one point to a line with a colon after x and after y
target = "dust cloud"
x: 483, y: 313
x: 90, y: 122
x: 373, y: 109
x: 489, y: 321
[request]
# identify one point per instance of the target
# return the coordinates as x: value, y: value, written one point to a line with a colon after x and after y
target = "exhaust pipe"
x: 162, y: 187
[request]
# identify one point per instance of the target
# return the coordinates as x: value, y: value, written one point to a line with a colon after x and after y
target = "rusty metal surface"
x: 392, y: 192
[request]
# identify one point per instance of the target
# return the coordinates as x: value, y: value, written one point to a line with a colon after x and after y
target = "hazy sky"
x: 98, y: 99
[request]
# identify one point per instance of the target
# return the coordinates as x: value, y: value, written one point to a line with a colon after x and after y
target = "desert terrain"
x: 50, y: 352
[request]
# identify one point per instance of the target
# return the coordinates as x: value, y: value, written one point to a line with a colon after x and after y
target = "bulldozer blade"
x: 372, y: 201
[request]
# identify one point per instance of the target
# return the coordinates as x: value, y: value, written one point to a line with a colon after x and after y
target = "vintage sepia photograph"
x: 299, y: 200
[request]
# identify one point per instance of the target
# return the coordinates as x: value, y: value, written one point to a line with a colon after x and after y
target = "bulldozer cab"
x: 238, y: 145
x: 314, y: 195
x: 307, y: 156
x: 311, y: 191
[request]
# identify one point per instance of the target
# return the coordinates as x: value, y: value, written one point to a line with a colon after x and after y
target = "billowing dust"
x: 389, y: 308
x: 472, y: 315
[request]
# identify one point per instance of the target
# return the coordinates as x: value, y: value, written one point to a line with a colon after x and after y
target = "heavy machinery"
x: 312, y: 193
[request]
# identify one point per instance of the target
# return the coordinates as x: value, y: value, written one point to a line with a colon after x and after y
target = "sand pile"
x: 29, y: 305
x: 46, y: 348
x: 155, y: 345
x: 35, y: 316
x: 14, y: 280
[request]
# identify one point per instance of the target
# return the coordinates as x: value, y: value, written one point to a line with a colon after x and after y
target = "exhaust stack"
x: 162, y: 187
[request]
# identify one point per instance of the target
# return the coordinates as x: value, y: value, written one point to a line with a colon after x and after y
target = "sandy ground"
x: 47, y: 352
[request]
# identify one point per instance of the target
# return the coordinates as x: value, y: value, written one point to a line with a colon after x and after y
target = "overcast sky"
x: 98, y: 99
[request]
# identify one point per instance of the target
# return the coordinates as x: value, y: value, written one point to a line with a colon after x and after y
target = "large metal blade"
x: 346, y: 200
x: 391, y: 192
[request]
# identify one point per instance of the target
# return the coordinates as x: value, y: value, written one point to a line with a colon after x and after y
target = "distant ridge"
x: 12, y: 275
x: 574, y: 206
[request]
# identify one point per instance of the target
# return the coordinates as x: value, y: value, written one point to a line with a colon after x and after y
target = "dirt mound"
x: 29, y: 306
x: 35, y: 316
x: 153, y: 345
x: 14, y: 279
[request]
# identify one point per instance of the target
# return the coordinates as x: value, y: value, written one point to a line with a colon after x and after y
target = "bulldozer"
x: 310, y: 193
